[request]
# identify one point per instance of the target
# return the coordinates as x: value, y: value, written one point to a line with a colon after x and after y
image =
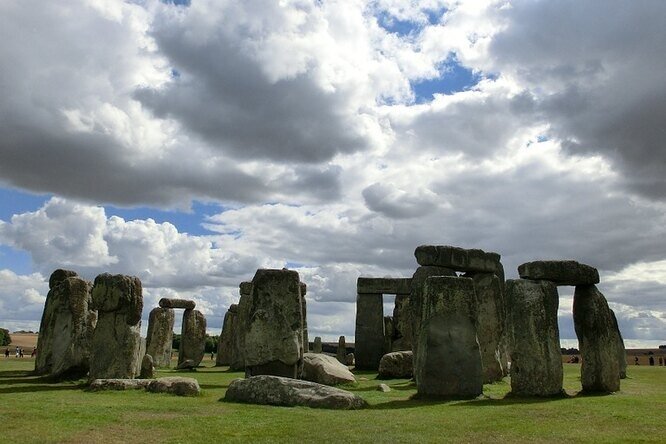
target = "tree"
x: 5, y: 339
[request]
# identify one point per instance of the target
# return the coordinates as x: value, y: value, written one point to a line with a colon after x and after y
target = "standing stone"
x: 598, y: 340
x: 396, y: 365
x: 159, y: 339
x: 402, y: 324
x: 273, y: 342
x: 369, y: 347
x: 416, y: 296
x: 304, y: 311
x: 66, y: 329
x: 489, y: 324
x: 621, y: 351
x: 147, y: 368
x: 342, y: 350
x: 116, y: 342
x: 536, y: 358
x: 389, y: 331
x: 448, y: 362
x: 225, y: 343
x: 316, y: 346
x: 242, y: 325
x: 192, y: 338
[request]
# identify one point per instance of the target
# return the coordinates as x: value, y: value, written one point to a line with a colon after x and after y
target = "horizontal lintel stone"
x: 368, y: 285
x: 177, y: 303
x: 565, y: 272
x: 456, y: 258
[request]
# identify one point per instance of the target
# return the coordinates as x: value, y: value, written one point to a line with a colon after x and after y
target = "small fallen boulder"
x: 175, y: 385
x: 383, y: 388
x: 396, y: 365
x: 187, y: 364
x: 324, y: 369
x: 281, y: 391
x: 99, y: 385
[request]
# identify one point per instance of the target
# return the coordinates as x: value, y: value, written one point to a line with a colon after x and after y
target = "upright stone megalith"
x: 621, y: 351
x: 159, y: 339
x: 273, y: 342
x: 242, y: 326
x: 316, y: 346
x: 598, y: 339
x: 448, y: 361
x: 192, y: 339
x: 66, y: 329
x: 304, y: 312
x: 225, y: 343
x: 536, y: 358
x: 369, y: 343
x: 341, y: 354
x: 116, y: 343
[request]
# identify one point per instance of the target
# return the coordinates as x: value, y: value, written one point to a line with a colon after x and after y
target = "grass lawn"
x: 32, y: 410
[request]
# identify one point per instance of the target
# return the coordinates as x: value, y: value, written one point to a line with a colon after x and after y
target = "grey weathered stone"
x: 99, y: 385
x: 383, y: 285
x: 388, y: 334
x: 66, y: 328
x: 383, y: 388
x: 597, y: 339
x: 350, y: 359
x: 559, y: 272
x: 147, y: 367
x: 448, y: 362
x: 341, y: 354
x: 402, y: 324
x: 304, y: 312
x: 175, y: 385
x: 225, y: 343
x: 536, y: 359
x: 369, y: 344
x: 489, y: 323
x: 275, y: 390
x: 621, y: 351
x: 396, y: 365
x: 193, y: 337
x: 116, y: 343
x: 324, y: 369
x: 456, y: 258
x: 416, y: 296
x: 275, y: 330
x: 242, y: 323
x: 177, y: 303
x: 316, y: 346
x: 159, y: 339
x: 187, y: 364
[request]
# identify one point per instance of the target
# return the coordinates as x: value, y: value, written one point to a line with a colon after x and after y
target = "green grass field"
x: 32, y: 410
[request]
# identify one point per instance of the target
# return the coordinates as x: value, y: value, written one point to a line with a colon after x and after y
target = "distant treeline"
x: 570, y: 351
x: 211, y: 343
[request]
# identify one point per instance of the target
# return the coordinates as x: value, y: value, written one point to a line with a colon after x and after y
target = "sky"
x: 191, y: 142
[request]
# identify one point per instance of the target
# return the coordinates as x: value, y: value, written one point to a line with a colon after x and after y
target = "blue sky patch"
x: 454, y: 78
x: 18, y: 202
x: 18, y: 261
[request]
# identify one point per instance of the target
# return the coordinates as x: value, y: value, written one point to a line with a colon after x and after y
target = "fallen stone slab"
x: 281, y: 391
x: 177, y: 303
x: 99, y: 385
x: 187, y: 364
x: 324, y: 369
x: 559, y: 272
x: 456, y: 258
x: 175, y: 385
x: 383, y: 285
x: 396, y: 365
x: 383, y: 388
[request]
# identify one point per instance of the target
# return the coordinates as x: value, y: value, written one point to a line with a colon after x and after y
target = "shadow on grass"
x: 41, y: 388
x: 214, y: 386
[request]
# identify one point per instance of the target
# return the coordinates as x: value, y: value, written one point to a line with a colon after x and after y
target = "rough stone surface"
x: 175, y: 385
x: 402, y: 324
x: 389, y: 331
x: 350, y: 359
x: 456, y: 258
x: 99, y: 385
x: 316, y: 346
x: 177, y: 303
x: 225, y: 343
x: 448, y: 362
x: 598, y: 340
x: 621, y: 351
x: 242, y: 322
x: 66, y: 329
x: 159, y: 339
x: 304, y: 312
x: 536, y: 359
x: 369, y: 344
x: 396, y: 365
x: 559, y: 272
x: 275, y: 390
x: 116, y: 344
x: 193, y: 337
x: 187, y: 364
x: 273, y: 342
x: 324, y: 369
x: 147, y: 367
x: 383, y: 285
x: 489, y: 324
x: 416, y: 296
x: 341, y: 354
x: 383, y: 388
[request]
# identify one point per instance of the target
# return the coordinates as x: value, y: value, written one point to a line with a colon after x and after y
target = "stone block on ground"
x: 396, y: 365
x: 456, y: 258
x: 324, y: 369
x: 560, y: 272
x: 99, y: 385
x: 280, y: 391
x: 147, y: 367
x: 175, y: 385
